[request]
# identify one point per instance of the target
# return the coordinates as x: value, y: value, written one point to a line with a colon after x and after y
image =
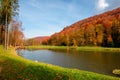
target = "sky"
x: 46, y: 17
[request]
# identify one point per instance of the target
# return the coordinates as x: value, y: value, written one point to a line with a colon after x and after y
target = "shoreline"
x: 14, y: 67
x: 81, y: 48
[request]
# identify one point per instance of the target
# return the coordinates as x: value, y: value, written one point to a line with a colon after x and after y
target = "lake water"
x: 100, y: 62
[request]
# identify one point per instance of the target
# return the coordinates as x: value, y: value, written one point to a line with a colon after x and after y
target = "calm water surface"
x: 100, y: 62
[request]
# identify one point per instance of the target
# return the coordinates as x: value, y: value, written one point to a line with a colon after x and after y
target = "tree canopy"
x: 8, y: 12
x: 99, y: 30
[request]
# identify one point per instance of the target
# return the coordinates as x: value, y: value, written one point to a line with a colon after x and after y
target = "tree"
x: 116, y: 33
x: 99, y: 34
x: 17, y: 36
x: 8, y: 10
x: 107, y: 40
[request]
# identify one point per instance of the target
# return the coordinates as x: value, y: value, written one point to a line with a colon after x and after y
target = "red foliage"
x: 95, y: 30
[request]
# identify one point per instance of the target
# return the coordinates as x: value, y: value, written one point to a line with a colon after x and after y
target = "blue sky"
x: 45, y: 17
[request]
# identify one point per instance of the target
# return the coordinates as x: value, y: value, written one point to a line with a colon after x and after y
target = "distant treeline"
x: 99, y: 30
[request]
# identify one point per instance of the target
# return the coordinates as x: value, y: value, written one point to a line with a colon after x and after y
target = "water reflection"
x: 100, y: 62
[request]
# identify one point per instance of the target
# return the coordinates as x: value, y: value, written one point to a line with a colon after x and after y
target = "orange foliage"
x: 95, y: 30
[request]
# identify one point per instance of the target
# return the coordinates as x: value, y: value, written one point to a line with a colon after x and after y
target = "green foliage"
x: 8, y: 11
x: 13, y: 67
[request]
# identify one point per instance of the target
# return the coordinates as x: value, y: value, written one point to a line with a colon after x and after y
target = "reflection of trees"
x: 20, y: 52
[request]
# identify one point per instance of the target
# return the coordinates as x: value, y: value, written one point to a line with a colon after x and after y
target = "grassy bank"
x: 86, y: 48
x: 13, y: 67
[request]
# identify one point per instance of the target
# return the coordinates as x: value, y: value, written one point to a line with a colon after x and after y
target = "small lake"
x: 99, y: 62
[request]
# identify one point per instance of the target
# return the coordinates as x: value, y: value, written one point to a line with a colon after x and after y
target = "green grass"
x: 13, y: 67
x: 44, y: 47
x: 103, y: 49
x: 83, y: 48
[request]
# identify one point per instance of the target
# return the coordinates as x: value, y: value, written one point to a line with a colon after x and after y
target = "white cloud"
x: 102, y: 4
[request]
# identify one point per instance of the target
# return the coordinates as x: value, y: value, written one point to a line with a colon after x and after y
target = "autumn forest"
x: 99, y: 30
x: 88, y: 49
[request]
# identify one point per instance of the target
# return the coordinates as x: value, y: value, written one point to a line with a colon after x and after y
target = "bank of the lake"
x: 14, y: 67
x: 82, y: 48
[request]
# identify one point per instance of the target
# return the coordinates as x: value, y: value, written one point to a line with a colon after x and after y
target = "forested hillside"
x: 37, y: 40
x: 98, y: 30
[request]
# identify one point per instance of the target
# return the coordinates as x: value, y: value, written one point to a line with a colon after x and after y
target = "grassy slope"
x: 13, y: 67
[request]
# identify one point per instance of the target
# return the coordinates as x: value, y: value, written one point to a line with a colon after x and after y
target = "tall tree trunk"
x: 5, y: 42
x: 2, y: 36
x: 0, y: 24
x: 7, y: 37
x: 6, y: 25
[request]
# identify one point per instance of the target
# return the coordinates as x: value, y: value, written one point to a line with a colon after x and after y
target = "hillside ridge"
x: 98, y: 30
